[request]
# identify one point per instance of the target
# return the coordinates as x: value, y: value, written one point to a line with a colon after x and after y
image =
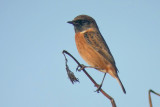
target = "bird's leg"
x: 99, y: 87
x: 79, y: 68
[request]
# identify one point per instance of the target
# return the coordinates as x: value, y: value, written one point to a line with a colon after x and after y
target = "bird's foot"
x: 79, y: 68
x: 99, y: 88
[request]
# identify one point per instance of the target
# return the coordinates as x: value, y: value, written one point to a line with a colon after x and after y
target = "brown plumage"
x: 92, y: 47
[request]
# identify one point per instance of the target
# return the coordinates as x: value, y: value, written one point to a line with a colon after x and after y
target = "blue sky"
x: 33, y: 34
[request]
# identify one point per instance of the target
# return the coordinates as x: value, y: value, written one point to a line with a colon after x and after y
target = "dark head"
x: 83, y: 22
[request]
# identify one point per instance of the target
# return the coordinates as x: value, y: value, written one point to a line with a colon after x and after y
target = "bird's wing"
x: 96, y: 41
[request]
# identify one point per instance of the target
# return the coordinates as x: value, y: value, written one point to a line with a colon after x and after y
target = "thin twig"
x: 149, y: 94
x: 94, y: 82
x: 71, y: 75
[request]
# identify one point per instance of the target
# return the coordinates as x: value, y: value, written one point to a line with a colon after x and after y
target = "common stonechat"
x: 92, y: 46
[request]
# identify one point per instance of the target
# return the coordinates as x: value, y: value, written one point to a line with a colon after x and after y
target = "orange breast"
x: 88, y: 53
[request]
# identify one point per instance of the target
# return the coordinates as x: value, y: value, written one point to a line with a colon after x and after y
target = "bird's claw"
x: 99, y: 88
x: 79, y: 68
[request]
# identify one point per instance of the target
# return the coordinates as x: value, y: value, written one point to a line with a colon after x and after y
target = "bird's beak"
x: 70, y: 22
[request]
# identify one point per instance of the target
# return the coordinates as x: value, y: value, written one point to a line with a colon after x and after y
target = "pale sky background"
x: 33, y: 34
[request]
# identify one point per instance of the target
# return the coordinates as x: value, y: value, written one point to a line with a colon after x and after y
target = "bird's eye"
x: 83, y: 21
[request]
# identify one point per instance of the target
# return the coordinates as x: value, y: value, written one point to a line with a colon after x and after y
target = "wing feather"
x: 96, y: 41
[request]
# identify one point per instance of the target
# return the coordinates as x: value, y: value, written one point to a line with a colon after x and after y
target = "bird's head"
x: 82, y: 23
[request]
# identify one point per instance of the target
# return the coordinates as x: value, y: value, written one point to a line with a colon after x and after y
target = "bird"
x: 93, y: 48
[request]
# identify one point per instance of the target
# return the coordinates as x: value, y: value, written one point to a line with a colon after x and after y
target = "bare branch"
x: 94, y: 82
x: 149, y: 95
x: 71, y: 75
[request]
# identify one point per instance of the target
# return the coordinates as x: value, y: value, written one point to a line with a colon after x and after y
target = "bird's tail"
x: 119, y: 81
